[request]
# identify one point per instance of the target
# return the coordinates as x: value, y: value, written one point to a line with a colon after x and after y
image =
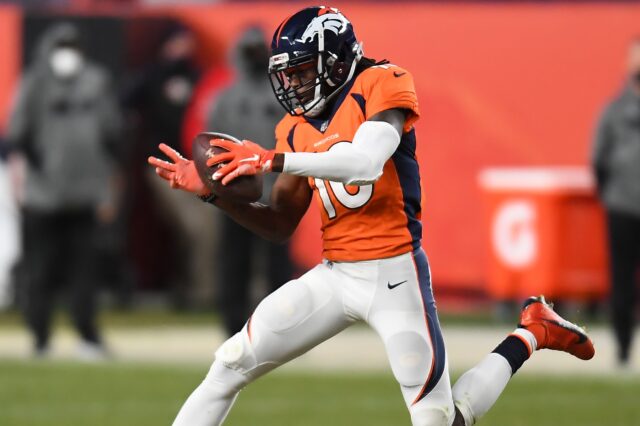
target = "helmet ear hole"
x: 339, y: 73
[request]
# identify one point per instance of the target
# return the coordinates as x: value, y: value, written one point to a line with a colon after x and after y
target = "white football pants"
x: 392, y: 295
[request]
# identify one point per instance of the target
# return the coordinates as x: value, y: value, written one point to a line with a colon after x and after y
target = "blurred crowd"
x: 84, y: 218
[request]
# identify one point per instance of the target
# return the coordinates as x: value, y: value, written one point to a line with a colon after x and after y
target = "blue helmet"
x: 316, y: 36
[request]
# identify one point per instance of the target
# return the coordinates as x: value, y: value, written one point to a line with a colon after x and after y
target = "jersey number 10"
x: 344, y: 197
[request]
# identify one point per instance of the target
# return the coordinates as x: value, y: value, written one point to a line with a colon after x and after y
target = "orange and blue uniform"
x: 379, y: 220
x: 375, y: 221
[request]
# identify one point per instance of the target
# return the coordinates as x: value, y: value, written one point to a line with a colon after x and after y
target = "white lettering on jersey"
x: 327, y: 139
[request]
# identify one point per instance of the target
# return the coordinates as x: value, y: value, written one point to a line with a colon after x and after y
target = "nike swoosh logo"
x: 392, y: 286
x: 255, y: 157
x: 569, y: 326
x: 398, y: 74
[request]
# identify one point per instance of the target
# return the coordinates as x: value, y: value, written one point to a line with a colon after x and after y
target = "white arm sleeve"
x: 356, y: 163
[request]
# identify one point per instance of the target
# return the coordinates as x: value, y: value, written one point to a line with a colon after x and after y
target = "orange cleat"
x: 554, y: 332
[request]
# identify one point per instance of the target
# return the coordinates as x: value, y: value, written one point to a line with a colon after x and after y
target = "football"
x: 242, y: 189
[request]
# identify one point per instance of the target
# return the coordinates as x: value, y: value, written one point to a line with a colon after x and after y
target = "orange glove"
x: 181, y: 174
x: 243, y: 160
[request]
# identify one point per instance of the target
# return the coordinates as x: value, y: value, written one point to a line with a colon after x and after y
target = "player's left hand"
x: 180, y: 172
x: 242, y: 160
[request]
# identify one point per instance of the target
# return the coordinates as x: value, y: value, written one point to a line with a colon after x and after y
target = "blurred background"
x: 512, y: 96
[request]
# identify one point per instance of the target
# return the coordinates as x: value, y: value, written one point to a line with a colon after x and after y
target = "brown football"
x: 243, y: 189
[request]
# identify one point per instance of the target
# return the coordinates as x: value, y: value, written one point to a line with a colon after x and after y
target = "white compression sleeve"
x: 356, y: 163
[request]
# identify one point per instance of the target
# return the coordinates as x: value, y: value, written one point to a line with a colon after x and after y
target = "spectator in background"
x: 160, y: 95
x: 248, y: 110
x: 616, y: 162
x: 65, y: 122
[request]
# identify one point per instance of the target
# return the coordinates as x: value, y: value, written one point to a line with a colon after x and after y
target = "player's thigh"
x: 405, y: 318
x: 290, y: 321
x: 419, y: 364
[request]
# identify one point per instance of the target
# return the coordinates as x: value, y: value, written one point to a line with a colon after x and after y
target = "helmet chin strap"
x: 317, y: 109
x: 321, y: 100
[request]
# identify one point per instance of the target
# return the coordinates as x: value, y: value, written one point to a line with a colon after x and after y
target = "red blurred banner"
x: 499, y: 84
x: 10, y: 30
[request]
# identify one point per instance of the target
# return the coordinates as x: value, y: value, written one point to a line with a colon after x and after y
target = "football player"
x: 348, y: 139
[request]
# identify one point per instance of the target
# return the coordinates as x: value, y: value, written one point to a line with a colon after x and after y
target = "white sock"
x: 477, y: 390
x: 209, y: 403
x: 528, y: 338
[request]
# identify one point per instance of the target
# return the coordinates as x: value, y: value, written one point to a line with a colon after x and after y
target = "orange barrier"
x: 10, y: 45
x: 546, y: 234
x: 499, y: 84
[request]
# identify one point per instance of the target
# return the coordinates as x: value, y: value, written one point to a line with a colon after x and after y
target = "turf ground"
x: 64, y: 394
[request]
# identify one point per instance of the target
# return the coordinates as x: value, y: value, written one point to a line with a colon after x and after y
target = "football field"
x: 160, y: 359
x: 62, y: 394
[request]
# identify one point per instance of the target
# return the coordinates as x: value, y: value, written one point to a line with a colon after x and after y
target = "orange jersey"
x: 372, y: 221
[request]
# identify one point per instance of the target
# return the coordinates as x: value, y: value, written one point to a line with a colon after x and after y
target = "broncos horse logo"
x: 331, y: 20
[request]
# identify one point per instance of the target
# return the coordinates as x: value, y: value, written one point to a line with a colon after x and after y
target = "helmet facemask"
x: 311, y: 97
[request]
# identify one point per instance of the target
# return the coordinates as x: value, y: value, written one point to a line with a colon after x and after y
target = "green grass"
x: 63, y: 394
x: 149, y: 317
x: 116, y: 319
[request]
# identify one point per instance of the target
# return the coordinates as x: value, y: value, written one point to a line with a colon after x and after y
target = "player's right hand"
x: 180, y: 173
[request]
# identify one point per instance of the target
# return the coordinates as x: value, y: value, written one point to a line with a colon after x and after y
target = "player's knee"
x: 237, y: 353
x: 432, y: 416
x: 410, y: 358
x: 222, y: 381
x: 286, y: 308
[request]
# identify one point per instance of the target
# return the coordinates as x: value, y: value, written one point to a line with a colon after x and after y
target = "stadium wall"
x: 499, y: 84
x: 10, y: 49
